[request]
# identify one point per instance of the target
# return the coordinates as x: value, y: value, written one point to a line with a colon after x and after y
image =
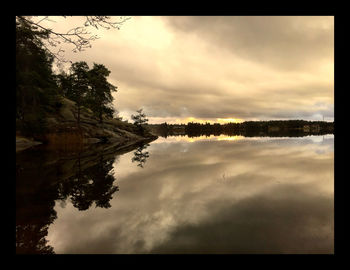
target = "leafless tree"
x: 79, y: 37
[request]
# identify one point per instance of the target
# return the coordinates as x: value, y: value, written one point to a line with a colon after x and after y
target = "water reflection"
x: 45, y: 177
x: 211, y: 196
x: 140, y: 156
x: 94, y: 184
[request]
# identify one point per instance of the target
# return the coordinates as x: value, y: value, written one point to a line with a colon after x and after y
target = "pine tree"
x: 100, y: 93
x: 139, y: 120
x: 80, y: 85
x: 36, y: 89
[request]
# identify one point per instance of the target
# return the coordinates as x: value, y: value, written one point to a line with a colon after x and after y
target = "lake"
x: 217, y: 194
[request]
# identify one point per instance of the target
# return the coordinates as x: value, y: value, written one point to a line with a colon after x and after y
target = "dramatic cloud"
x: 218, y: 67
x: 283, y: 42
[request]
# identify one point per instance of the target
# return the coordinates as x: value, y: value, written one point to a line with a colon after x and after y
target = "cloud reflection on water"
x: 212, y: 196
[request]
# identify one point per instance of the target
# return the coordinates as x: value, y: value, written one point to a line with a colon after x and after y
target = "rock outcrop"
x: 24, y: 143
x: 62, y: 130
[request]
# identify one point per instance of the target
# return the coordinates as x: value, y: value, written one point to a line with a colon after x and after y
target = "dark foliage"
x: 94, y: 184
x: 36, y: 89
x: 100, y: 96
x: 139, y: 121
x: 88, y: 88
x: 289, y: 128
x: 140, y: 156
x: 39, y: 186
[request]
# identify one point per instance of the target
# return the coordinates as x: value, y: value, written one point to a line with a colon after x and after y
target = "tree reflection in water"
x: 39, y: 185
x: 94, y: 184
x: 140, y: 156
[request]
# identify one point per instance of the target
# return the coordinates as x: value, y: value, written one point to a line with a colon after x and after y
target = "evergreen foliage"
x: 100, y: 96
x: 88, y: 88
x: 36, y: 88
x: 276, y: 128
x: 139, y: 120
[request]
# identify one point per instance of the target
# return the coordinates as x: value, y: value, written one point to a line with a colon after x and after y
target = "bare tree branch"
x: 45, y: 18
x: 79, y: 37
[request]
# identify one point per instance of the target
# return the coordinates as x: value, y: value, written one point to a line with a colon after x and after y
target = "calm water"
x: 183, y: 195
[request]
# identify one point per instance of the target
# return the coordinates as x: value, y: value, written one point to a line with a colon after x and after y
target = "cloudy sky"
x: 217, y: 68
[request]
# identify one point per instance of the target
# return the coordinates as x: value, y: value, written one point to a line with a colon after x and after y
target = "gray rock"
x: 24, y: 143
x: 91, y: 140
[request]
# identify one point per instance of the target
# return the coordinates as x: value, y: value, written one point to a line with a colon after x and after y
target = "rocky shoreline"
x: 62, y: 131
x: 25, y: 143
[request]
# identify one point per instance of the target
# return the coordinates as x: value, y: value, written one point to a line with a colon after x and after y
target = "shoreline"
x: 23, y: 143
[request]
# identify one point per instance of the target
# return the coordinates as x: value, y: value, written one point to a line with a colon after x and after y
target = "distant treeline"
x: 273, y: 128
